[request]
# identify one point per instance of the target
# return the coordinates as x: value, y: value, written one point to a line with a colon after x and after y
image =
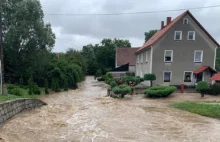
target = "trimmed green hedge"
x: 122, y: 90
x: 160, y: 91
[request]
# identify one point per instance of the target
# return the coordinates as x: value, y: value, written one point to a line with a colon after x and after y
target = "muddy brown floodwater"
x: 87, y: 115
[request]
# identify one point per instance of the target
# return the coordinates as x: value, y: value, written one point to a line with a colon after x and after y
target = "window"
x: 198, y: 55
x: 142, y: 58
x: 166, y: 76
x: 146, y: 56
x: 185, y: 21
x: 137, y: 58
x: 168, y: 56
x: 188, y: 76
x: 178, y: 35
x: 191, y: 35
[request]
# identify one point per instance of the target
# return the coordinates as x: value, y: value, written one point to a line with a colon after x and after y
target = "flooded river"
x: 87, y: 115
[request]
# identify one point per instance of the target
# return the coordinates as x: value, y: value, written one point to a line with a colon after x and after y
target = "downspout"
x: 151, y: 59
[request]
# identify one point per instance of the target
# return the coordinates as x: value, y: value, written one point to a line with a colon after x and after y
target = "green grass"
x: 209, y: 109
x: 24, y: 93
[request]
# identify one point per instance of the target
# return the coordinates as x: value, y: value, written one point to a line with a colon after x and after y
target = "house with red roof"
x: 182, y: 51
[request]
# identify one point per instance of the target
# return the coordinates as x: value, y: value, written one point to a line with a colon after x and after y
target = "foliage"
x: 56, y: 86
x: 122, y: 90
x: 131, y: 80
x: 53, y: 85
x: 65, y: 85
x: 21, y: 81
x: 108, y: 81
x: 36, y: 89
x: 217, y: 64
x: 150, y: 77
x: 160, y: 91
x: 201, y: 108
x: 15, y: 91
x: 149, y: 34
x: 98, y: 73
x: 46, y: 86
x: 30, y: 85
x: 113, y: 84
x: 215, y: 89
x: 109, y: 75
x: 202, y: 87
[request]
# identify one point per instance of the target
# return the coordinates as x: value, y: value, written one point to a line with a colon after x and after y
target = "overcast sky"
x: 76, y: 31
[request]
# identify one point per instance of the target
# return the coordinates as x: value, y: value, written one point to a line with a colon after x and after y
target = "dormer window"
x: 185, y: 21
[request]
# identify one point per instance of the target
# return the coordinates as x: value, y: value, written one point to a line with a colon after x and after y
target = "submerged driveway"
x: 87, y: 115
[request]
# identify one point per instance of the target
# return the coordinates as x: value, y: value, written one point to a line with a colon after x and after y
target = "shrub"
x: 46, y: 86
x: 11, y: 86
x: 142, y: 79
x: 21, y: 81
x: 102, y: 78
x: 202, y: 87
x: 122, y: 90
x: 160, y: 91
x: 65, y: 85
x: 150, y: 77
x: 15, y: 91
x: 36, y: 89
x: 98, y: 73
x: 30, y: 86
x: 109, y: 75
x: 57, y: 88
x: 215, y: 89
x: 109, y: 81
x: 113, y: 84
x: 53, y: 85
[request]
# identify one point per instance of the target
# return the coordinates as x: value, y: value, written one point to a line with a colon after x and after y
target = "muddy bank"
x: 87, y: 115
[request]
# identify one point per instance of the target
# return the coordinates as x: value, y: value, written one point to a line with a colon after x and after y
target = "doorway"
x: 199, y: 77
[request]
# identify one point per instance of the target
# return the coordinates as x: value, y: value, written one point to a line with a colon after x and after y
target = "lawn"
x: 209, y: 109
x: 24, y: 94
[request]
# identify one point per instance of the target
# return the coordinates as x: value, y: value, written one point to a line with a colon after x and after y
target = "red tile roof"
x: 161, y: 32
x: 202, y: 69
x: 126, y: 55
x: 216, y: 77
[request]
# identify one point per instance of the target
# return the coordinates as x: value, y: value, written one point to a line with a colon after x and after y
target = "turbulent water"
x: 87, y: 115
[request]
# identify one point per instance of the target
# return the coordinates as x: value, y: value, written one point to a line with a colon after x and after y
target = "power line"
x: 129, y: 13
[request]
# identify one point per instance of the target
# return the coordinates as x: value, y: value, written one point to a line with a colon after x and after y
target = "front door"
x: 199, y: 77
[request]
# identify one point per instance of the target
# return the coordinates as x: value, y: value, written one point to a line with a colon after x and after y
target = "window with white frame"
x: 185, y: 21
x: 188, y: 76
x: 191, y: 35
x: 198, y: 56
x: 168, y: 56
x: 178, y: 35
x: 146, y: 56
x: 137, y: 58
x: 142, y: 58
x: 167, y: 76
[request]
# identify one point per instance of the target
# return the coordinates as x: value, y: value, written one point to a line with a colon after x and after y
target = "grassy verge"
x: 209, y: 109
x: 23, y: 92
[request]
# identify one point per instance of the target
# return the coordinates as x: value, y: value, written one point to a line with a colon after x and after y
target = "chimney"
x: 168, y: 20
x: 162, y: 24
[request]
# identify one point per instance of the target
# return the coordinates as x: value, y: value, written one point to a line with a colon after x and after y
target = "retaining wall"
x: 10, y: 108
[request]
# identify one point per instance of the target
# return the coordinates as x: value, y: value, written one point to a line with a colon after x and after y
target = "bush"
x: 150, y: 77
x: 202, y: 87
x: 109, y: 75
x: 102, y: 78
x: 65, y: 85
x: 11, y: 86
x: 36, y: 89
x: 113, y: 84
x: 109, y: 81
x: 15, y: 91
x: 21, y: 81
x: 122, y: 90
x: 30, y: 86
x: 215, y: 89
x: 46, y: 86
x: 160, y: 91
x: 98, y: 73
x: 142, y: 79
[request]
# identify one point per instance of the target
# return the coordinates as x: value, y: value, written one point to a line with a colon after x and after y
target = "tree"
x: 53, y: 85
x: 150, y: 77
x: 149, y: 34
x: 46, y: 86
x: 30, y: 86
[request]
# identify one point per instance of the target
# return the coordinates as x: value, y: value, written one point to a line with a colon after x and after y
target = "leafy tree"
x: 150, y: 77
x: 53, y: 85
x: 149, y: 34
x: 46, y: 86
x: 57, y: 88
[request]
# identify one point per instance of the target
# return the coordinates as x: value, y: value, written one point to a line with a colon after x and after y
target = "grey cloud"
x: 91, y: 29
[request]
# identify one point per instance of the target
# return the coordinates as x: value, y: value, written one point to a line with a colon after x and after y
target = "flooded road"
x: 87, y: 115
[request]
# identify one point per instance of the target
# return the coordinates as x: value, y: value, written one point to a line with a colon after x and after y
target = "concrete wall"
x: 183, y: 53
x: 10, y: 108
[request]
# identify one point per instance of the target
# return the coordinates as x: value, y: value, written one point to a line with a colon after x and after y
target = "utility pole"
x: 1, y: 52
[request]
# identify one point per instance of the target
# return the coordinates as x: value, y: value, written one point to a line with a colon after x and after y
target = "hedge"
x: 160, y: 91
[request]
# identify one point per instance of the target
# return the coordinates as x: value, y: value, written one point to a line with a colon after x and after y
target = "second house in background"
x: 182, y: 51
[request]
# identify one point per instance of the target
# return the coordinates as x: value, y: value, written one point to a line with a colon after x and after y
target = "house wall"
x: 183, y: 53
x: 143, y: 67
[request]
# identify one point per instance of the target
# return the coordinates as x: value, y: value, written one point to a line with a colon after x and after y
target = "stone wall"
x: 10, y: 108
